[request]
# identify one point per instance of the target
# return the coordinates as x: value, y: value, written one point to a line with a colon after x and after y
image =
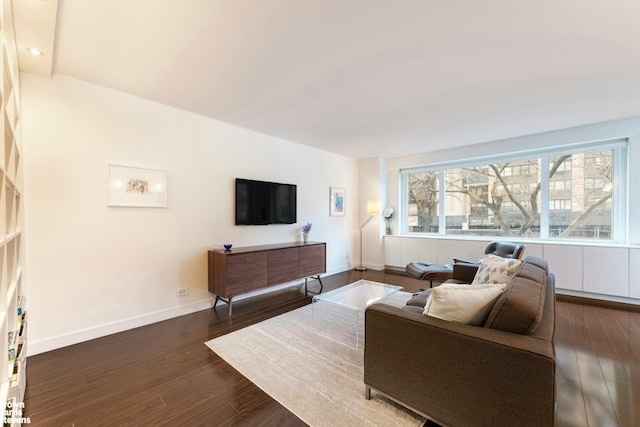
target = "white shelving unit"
x: 13, y: 315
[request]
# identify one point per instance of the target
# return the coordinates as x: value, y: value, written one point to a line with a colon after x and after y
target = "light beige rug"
x: 301, y: 359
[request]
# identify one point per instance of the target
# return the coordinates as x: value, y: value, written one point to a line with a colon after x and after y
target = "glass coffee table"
x: 340, y: 313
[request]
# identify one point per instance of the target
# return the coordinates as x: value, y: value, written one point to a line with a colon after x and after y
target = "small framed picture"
x: 137, y: 187
x: 337, y: 201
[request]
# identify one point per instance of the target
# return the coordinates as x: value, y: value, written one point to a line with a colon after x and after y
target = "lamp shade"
x: 373, y: 206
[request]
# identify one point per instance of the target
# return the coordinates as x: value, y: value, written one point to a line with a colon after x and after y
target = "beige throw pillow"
x: 468, y: 304
x: 495, y: 269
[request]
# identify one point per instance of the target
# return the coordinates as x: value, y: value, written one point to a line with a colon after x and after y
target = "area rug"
x: 301, y: 360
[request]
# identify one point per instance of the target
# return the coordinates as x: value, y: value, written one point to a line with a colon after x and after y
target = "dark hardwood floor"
x: 163, y: 374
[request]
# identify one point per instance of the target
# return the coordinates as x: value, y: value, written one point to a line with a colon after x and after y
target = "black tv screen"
x: 262, y: 203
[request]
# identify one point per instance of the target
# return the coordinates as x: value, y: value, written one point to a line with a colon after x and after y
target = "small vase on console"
x: 305, y: 232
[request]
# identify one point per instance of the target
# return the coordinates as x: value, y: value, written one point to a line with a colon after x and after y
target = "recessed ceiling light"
x: 34, y: 51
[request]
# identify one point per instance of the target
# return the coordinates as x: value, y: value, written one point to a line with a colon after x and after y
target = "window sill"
x: 518, y: 239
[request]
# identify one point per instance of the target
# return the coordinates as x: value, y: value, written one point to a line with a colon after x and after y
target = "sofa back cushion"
x: 519, y: 307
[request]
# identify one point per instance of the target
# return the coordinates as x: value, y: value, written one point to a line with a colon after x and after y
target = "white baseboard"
x: 602, y: 297
x: 377, y: 267
x: 115, y: 327
x: 336, y: 270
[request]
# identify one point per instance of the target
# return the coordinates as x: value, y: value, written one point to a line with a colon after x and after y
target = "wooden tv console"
x: 242, y: 270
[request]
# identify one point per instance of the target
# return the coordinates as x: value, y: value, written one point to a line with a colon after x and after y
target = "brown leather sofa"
x: 499, y: 374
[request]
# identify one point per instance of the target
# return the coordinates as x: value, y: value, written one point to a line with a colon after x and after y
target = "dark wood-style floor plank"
x: 163, y: 374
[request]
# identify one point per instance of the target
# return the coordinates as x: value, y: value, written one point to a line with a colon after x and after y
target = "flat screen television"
x: 262, y: 203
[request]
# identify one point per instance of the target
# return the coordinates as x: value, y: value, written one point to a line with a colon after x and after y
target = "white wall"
x: 93, y: 270
x: 372, y: 186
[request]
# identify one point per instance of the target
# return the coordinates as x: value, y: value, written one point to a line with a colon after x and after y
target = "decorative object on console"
x: 137, y: 187
x: 373, y: 207
x: 227, y: 247
x: 337, y: 201
x: 388, y: 214
x: 306, y: 229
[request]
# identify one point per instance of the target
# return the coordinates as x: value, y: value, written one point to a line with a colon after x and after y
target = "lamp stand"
x: 361, y: 267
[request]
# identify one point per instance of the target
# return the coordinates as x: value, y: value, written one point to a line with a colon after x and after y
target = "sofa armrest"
x: 458, y: 374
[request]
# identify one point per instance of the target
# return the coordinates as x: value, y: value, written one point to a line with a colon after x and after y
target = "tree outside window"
x: 423, y: 201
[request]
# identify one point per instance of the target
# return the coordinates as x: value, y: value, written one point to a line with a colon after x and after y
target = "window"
x: 509, y: 206
x: 474, y: 197
x: 560, y: 185
x: 517, y: 170
x: 565, y: 166
x: 588, y: 213
x: 559, y: 204
x: 556, y: 194
x: 593, y: 183
x: 422, y: 202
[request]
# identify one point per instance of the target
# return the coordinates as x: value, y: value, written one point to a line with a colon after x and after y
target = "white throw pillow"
x: 468, y: 304
x: 495, y: 269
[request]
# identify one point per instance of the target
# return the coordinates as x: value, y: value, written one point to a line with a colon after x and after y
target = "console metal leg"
x: 228, y: 301
x: 306, y: 292
x: 367, y: 392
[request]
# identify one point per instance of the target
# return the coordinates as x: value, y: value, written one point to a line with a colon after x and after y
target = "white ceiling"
x: 365, y: 78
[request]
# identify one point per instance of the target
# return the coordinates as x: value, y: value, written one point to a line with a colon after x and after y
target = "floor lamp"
x: 373, y: 207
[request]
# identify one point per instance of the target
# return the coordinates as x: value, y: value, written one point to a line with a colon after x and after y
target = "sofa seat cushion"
x: 495, y: 269
x: 519, y: 308
x: 468, y: 304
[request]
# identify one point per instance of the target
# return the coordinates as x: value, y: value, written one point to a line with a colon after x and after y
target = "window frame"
x: 619, y: 199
